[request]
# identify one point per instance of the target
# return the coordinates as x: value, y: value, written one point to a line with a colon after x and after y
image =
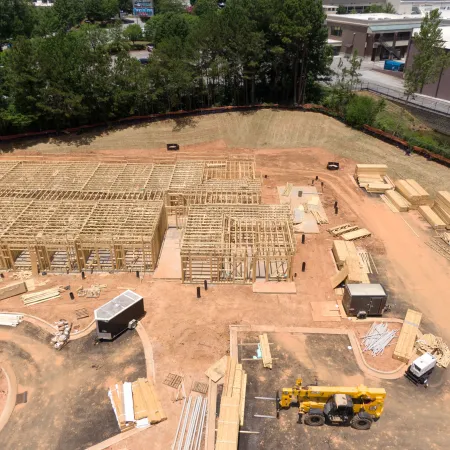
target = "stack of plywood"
x: 407, y: 338
x: 432, y: 218
x: 232, y: 406
x: 373, y: 177
x: 413, y: 192
x: 345, y: 254
x: 398, y: 200
x: 442, y: 207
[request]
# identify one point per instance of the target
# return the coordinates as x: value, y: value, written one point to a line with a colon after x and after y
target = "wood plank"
x: 211, y: 416
x: 228, y: 424
x: 398, y: 200
x: 12, y: 290
x: 242, y: 399
x: 217, y: 371
x: 358, y: 234
x: 339, y: 277
x: 229, y: 377
x: 407, y: 338
x: 153, y: 405
x: 265, y: 348
x: 274, y: 287
x: 139, y: 403
x: 340, y: 252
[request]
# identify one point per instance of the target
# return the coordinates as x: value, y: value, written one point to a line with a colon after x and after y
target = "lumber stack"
x: 442, y: 207
x: 373, y: 177
x: 407, y: 338
x: 346, y: 255
x: 41, y: 296
x: 232, y: 405
x: 357, y: 234
x: 12, y: 290
x: 136, y: 404
x: 432, y: 218
x: 413, y: 192
x: 340, y: 252
x: 265, y: 349
x: 398, y: 200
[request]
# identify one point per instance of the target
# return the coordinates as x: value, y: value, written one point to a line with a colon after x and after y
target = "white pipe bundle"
x: 11, y: 320
x: 378, y: 338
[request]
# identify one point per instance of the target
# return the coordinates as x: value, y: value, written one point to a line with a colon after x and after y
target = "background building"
x: 441, y: 88
x: 143, y: 9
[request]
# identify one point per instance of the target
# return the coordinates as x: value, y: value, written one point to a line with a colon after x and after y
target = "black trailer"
x: 119, y: 314
x: 364, y: 299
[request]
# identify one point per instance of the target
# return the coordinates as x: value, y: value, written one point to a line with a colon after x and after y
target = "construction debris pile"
x: 378, y: 338
x: 136, y: 404
x: 61, y: 337
x: 373, y: 178
x: 429, y: 343
x: 92, y: 292
x: 10, y: 320
x: 190, y: 428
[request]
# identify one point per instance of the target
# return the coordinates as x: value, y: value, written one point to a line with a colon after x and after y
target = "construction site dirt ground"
x: 67, y: 403
x: 189, y: 334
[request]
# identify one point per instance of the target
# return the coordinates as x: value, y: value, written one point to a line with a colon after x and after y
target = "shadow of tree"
x: 183, y: 122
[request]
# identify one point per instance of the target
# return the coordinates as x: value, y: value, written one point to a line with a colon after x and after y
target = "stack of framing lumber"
x: 232, y: 406
x: 12, y: 290
x: 265, y: 349
x: 41, y: 296
x: 407, y: 338
x: 341, y: 229
x: 340, y: 252
x: 432, y: 218
x: 345, y: 254
x: 413, y: 192
x: 373, y: 178
x: 140, y: 408
x: 398, y: 201
x: 442, y: 207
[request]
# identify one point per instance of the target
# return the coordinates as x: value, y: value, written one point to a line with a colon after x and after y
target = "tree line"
x: 62, y: 72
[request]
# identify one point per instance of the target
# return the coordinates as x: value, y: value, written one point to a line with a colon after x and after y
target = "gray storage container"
x: 368, y: 298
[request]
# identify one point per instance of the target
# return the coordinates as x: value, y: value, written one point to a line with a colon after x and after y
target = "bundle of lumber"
x: 432, y: 218
x: 265, y: 350
x: 41, y: 296
x: 12, y: 290
x: 357, y: 234
x: 436, y: 346
x: 346, y: 255
x: 413, y: 192
x: 398, y: 200
x: 406, y: 340
x: 442, y: 207
x: 136, y: 404
x: 373, y: 177
x: 232, y: 406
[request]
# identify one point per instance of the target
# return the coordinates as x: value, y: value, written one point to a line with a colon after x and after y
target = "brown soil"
x: 3, y: 390
x: 188, y: 334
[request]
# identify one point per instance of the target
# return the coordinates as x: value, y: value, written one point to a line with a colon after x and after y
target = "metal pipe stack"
x: 378, y: 338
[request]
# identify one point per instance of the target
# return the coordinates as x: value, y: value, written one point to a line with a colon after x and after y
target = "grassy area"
x: 398, y: 121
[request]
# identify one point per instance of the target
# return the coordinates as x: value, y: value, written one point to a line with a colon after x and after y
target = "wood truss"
x: 237, y: 243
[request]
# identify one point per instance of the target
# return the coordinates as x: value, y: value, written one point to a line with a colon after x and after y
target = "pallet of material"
x: 341, y: 229
x: 12, y: 290
x: 432, y: 218
x: 378, y: 188
x: 358, y: 234
x: 340, y: 252
x: 442, y: 206
x: 370, y: 169
x: 265, y: 348
x: 407, y: 338
x: 413, y: 192
x: 41, y: 296
x: 144, y: 391
x: 398, y: 200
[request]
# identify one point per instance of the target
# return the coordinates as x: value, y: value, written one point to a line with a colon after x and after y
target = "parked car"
x: 143, y: 60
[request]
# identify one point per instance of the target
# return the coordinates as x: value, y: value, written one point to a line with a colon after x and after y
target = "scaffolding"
x: 237, y: 244
x: 80, y: 235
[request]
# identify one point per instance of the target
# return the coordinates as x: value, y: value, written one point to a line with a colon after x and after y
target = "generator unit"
x: 420, y: 370
x: 119, y: 314
x: 364, y: 299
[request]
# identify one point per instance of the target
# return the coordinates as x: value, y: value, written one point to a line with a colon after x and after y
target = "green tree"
x: 431, y: 57
x: 101, y: 10
x: 362, y: 110
x: 126, y: 6
x: 16, y: 19
x: 342, y: 9
x: 165, y: 6
x: 389, y: 8
x: 45, y: 22
x: 133, y: 32
x: 69, y: 13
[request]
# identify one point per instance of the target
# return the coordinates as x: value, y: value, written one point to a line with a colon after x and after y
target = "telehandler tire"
x: 314, y: 420
x: 361, y: 423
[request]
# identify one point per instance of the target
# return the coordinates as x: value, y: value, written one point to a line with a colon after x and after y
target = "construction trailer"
x: 119, y: 314
x: 80, y: 235
x: 237, y: 244
x: 364, y: 299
